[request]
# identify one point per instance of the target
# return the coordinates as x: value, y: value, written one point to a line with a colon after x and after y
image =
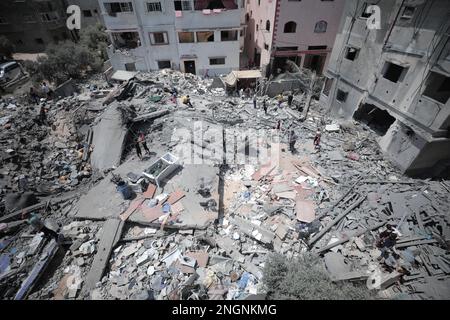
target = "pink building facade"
x: 299, y: 30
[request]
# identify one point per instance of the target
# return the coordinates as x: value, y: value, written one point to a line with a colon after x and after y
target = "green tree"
x: 95, y: 38
x: 304, y: 278
x: 6, y: 47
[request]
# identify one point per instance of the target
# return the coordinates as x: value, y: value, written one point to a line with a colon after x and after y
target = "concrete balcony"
x: 121, y: 20
x: 197, y: 19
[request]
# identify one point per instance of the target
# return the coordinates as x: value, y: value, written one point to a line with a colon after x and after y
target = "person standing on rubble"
x: 290, y: 99
x: 141, y: 139
x: 187, y: 101
x: 43, y: 114
x: 138, y: 149
x: 36, y: 222
x: 317, y: 139
x: 280, y: 100
x: 278, y: 126
x: 292, y: 141
x: 254, y: 101
x: 45, y: 90
x: 265, y: 106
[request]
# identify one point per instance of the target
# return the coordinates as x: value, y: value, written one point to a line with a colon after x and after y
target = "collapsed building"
x: 396, y: 78
x: 218, y: 192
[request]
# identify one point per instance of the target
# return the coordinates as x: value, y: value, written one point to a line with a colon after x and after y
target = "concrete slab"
x: 109, y: 136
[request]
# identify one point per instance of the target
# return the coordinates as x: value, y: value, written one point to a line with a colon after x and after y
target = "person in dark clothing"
x: 278, y: 127
x: 317, y: 139
x: 290, y: 99
x: 43, y: 114
x: 138, y: 149
x: 141, y: 139
x: 292, y: 141
x: 254, y: 101
x: 265, y: 106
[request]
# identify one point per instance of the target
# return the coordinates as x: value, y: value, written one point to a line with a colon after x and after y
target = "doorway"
x: 189, y: 66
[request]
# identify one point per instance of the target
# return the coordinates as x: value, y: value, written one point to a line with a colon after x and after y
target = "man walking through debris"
x: 317, y: 139
x: 254, y: 101
x: 265, y: 106
x: 290, y: 99
x: 138, y: 149
x: 45, y: 90
x: 187, y: 101
x: 141, y: 139
x: 43, y: 114
x: 36, y: 222
x: 280, y: 100
x: 292, y: 141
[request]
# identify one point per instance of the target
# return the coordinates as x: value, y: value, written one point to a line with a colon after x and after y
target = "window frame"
x: 217, y: 64
x: 154, y: 3
x: 153, y: 40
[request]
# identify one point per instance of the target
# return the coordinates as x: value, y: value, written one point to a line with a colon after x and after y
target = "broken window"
x: 114, y: 7
x: 437, y: 87
x: 205, y: 36
x: 164, y: 64
x: 130, y: 66
x: 321, y: 27
x: 351, y: 53
x: 393, y: 72
x: 267, y: 25
x: 182, y: 5
x: 290, y: 27
x: 186, y: 37
x: 87, y: 13
x: 127, y: 40
x: 216, y: 61
x: 228, y: 35
x: 287, y: 48
x: 154, y: 6
x: 266, y: 46
x: 215, y: 4
x: 317, y: 47
x: 157, y: 38
x: 327, y: 86
x: 341, y: 95
x: 377, y: 119
x: 408, y: 12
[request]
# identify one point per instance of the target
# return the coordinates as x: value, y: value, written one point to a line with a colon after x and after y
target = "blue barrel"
x: 125, y: 190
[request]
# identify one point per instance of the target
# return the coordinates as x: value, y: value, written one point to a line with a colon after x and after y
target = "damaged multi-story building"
x: 194, y: 36
x: 33, y: 24
x: 301, y: 31
x: 396, y: 79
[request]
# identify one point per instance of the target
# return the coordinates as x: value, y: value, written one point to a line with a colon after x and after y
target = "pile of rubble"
x: 344, y: 202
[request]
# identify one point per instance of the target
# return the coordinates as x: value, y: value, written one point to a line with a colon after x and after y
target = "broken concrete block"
x: 336, y: 264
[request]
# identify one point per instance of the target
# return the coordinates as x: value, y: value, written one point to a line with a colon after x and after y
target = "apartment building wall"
x: 170, y: 22
x: 33, y: 24
x: 258, y: 39
x: 303, y: 44
x: 399, y: 80
x: 90, y: 11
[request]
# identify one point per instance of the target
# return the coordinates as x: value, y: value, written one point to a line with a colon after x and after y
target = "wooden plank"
x: 111, y: 233
x: 175, y: 196
x: 150, y: 192
x: 414, y: 243
x: 133, y: 206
